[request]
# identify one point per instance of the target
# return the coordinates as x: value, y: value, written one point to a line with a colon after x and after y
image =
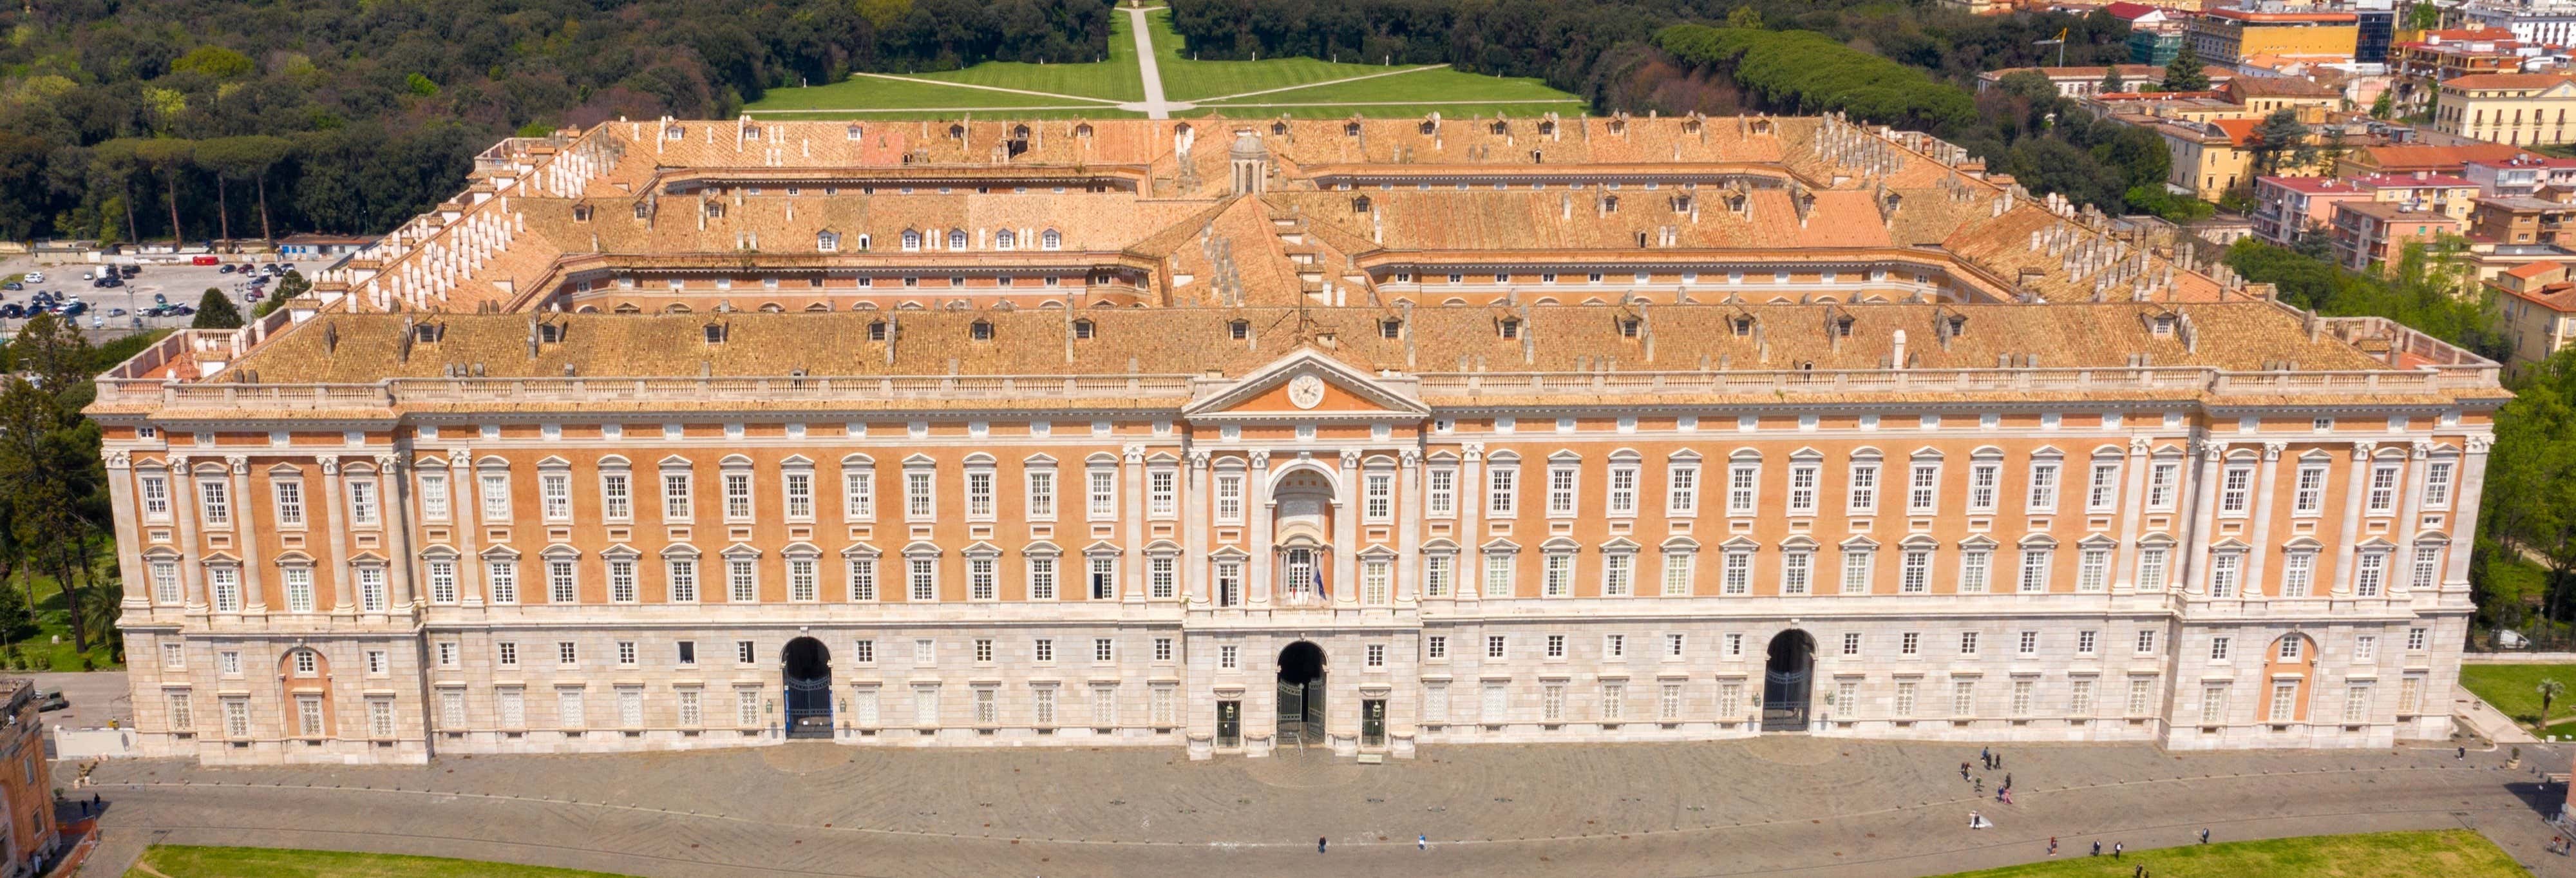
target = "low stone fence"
x: 2518, y: 658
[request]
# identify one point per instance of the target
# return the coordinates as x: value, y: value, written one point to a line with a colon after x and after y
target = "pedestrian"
x: 2140, y: 872
x: 1422, y: 842
x: 2464, y: 753
x: 2007, y: 778
x: 1987, y: 754
x: 1319, y: 844
x: 2052, y: 845
x: 2007, y: 794
x: 1999, y: 760
x: 2097, y: 849
x: 2117, y: 847
x: 1963, y: 771
x: 1980, y: 786
x: 2204, y: 835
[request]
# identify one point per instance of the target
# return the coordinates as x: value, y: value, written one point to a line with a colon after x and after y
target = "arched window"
x: 827, y: 241
x: 956, y: 239
x: 1006, y: 240
x: 863, y: 242
x: 1051, y: 240
x: 911, y: 240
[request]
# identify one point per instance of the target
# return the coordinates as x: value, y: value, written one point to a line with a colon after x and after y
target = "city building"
x: 1226, y: 436
x: 2228, y: 35
x: 2288, y: 207
x: 2537, y: 303
x: 2520, y: 176
x: 2508, y: 108
x: 26, y: 787
x: 2412, y: 158
x: 2369, y: 235
x: 2536, y: 21
x: 2080, y: 81
x: 2524, y: 219
x: 2264, y: 95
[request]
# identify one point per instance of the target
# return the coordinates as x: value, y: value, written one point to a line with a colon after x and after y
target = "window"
x: 212, y: 498
x: 2043, y: 486
x: 2383, y: 489
x: 1802, y: 488
x: 554, y: 493
x: 1963, y: 698
x: 2213, y: 704
x: 1556, y: 646
x: 1614, y: 646
x: 2308, y: 497
x: 1439, y: 572
x: 2151, y: 568
x: 1911, y: 643
x: 1668, y: 703
x: 2298, y: 573
x: 1229, y: 657
x: 2021, y: 697
x: 1561, y: 490
x: 1104, y: 493
x: 1436, y: 647
x: 371, y: 588
x: 616, y: 496
x: 1618, y: 573
x: 1494, y: 646
x: 2163, y: 479
x: 1797, y: 571
x: 2218, y: 648
x: 1557, y: 579
x: 1498, y: 574
x: 156, y: 497
x: 1623, y: 490
x: 1734, y: 646
x: 1905, y: 697
x: 2102, y: 494
x: 1864, y: 487
x: 1914, y: 571
x: 1162, y: 579
x: 746, y: 706
x: 1984, y: 477
x: 2092, y: 569
x: 924, y: 579
x: 2417, y: 639
x: 2437, y: 484
x: 2235, y: 483
x: 567, y: 652
x: 1856, y: 564
x: 1377, y: 496
x: 1851, y: 643
x: 1104, y: 577
x: 2034, y: 570
x: 1103, y: 650
x: 2029, y: 644
x: 495, y: 490
x: 1500, y: 487
x: 165, y: 582
x: 308, y: 716
x: 675, y: 495
x: 1441, y: 498
x: 1923, y: 489
x: 1162, y: 493
x: 2410, y: 696
x: 1041, y: 487
x: 2371, y: 575
x: 290, y: 503
x: 920, y: 497
x: 225, y: 581
x: 2426, y: 570
x: 1968, y: 643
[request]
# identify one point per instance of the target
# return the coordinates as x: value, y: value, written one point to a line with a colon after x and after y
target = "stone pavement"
x: 1778, y: 805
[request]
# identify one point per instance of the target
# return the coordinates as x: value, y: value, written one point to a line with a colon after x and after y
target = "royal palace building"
x: 1239, y: 435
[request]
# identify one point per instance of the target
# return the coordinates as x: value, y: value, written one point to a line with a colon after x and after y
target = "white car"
x: 35, y: 277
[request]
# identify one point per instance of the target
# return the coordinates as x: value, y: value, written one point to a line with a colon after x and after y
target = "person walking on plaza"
x: 1988, y: 755
x: 2097, y: 849
x: 1422, y: 842
x: 2117, y: 847
x: 2052, y: 845
x: 1963, y: 771
x: 2204, y: 835
x: 2007, y: 779
x: 1319, y: 844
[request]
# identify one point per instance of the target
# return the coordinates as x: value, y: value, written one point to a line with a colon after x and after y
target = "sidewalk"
x: 2487, y: 721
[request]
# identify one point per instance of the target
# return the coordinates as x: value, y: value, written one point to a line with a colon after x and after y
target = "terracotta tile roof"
x: 2534, y: 269
x: 2505, y: 81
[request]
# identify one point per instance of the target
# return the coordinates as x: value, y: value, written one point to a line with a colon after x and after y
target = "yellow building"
x: 2509, y: 108
x: 2212, y: 157
x: 2226, y: 36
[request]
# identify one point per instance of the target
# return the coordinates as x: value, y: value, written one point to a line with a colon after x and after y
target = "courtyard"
x: 1772, y: 805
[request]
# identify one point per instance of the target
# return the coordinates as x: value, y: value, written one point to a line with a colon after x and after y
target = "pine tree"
x: 2183, y: 73
x: 2112, y: 83
x: 216, y: 311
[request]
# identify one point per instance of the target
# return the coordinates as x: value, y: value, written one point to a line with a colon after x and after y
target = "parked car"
x: 228, y: 269
x: 35, y: 277
x: 13, y: 285
x: 115, y: 312
x: 12, y: 311
x: 203, y: 260
x: 160, y: 299
x: 182, y: 310
x: 51, y: 700
x: 255, y: 294
x: 129, y: 270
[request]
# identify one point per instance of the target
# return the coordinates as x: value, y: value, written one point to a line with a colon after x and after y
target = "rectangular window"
x: 862, y: 571
x: 1162, y: 578
x: 567, y: 652
x: 165, y: 583
x: 1797, y: 572
x: 742, y: 583
x: 554, y: 491
x: 2426, y: 571
x: 1910, y: 643
x: 362, y: 503
x: 494, y: 488
x: 2213, y: 704
x: 1851, y: 643
x: 2102, y: 494
x: 1435, y: 647
x: 1500, y: 488
x: 1166, y: 705
x: 683, y: 573
x: 1041, y: 484
x: 1494, y: 646
x: 1104, y: 577
x: 924, y: 577
x: 2034, y: 570
x: 2218, y: 648
x: 371, y: 589
x: 1498, y: 575
x: 1551, y: 702
x: 920, y: 494
x: 802, y: 583
x: 1735, y: 577
x: 616, y: 496
x: 1984, y: 479
x: 299, y: 585
x: 1743, y: 483
x: 2080, y: 697
x: 858, y: 494
x: 559, y: 582
x: 212, y: 497
x: 1864, y: 488
x: 1104, y: 494
x: 1162, y: 492
x: 1614, y: 701
x: 737, y: 496
x: 1042, y: 578
x: 1681, y: 491
x: 1905, y: 695
x: 156, y: 498
x: 506, y: 654
x: 1856, y: 564
x: 1963, y: 698
x: 1623, y: 490
x: 799, y: 488
x: 621, y: 581
x: 225, y: 581
x: 308, y: 716
x: 2235, y: 485
x: 1556, y: 646
x: 1618, y: 574
x: 1914, y: 571
x: 2151, y: 569
x: 1976, y: 571
x: 2029, y: 643
x: 2092, y: 569
x: 2410, y: 696
x: 2371, y: 574
x: 2356, y: 703
x: 746, y: 707
x: 2437, y: 484
x: 1614, y: 646
x: 1441, y: 499
x: 626, y: 652
x: 2043, y: 487
x: 512, y: 705
x: 2383, y: 489
x: 2298, y: 574
x: 2022, y: 694
x: 1562, y: 486
x: 1439, y: 572
x: 1923, y: 489
x: 1377, y: 497
x: 1802, y: 488
x: 1968, y: 643
x: 290, y: 503
x: 2142, y: 694
x: 2163, y: 480
x: 1558, y: 578
x: 675, y: 496
x: 2418, y: 639
x: 1498, y: 702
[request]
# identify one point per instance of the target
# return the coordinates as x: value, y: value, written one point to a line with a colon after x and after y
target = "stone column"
x: 129, y: 539
x: 396, y: 518
x: 183, y: 510
x: 1471, y: 507
x: 1346, y: 530
x: 2358, y: 485
x: 2204, y: 515
x: 460, y: 503
x: 1265, y: 509
x: 2472, y: 478
x: 1131, y: 479
x: 337, y: 565
x: 1408, y: 526
x: 246, y: 533
x: 2133, y: 512
x: 2258, y: 531
x: 1197, y: 505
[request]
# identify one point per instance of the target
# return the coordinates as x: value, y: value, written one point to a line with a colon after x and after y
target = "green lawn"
x: 180, y: 861
x: 2511, y: 688
x: 2450, y: 853
x: 1314, y: 89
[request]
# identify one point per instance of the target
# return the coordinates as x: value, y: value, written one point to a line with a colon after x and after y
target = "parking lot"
x: 180, y: 283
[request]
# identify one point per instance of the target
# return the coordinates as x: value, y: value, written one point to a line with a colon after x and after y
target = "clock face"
x: 1305, y: 391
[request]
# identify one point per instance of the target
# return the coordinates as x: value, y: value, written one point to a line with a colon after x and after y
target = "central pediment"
x: 1307, y: 386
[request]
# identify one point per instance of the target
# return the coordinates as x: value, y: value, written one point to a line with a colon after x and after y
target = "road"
x: 1776, y: 805
x: 1154, y: 106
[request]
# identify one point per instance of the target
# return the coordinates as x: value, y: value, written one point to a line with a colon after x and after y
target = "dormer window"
x: 1360, y: 204
x: 827, y: 242
x: 1500, y: 128
x: 1050, y: 240
x: 1278, y: 128
x: 1006, y: 240
x: 1510, y: 328
x: 2164, y: 324
x: 751, y: 132
x: 1743, y: 326
x: 863, y: 242
x: 911, y: 240
x: 426, y: 332
x: 1082, y: 130
x: 1083, y: 328
x: 856, y: 133
x: 956, y: 132
x: 549, y: 333
x: 1390, y: 329
x: 1350, y: 129
x: 1842, y: 327
x: 876, y: 330
x: 715, y: 333
x: 957, y: 239
x: 715, y: 210
x: 1238, y: 329
x: 1609, y: 204
x: 1547, y: 128
x: 674, y: 132
x: 643, y: 210
x: 1628, y: 327
x: 982, y: 330
x: 581, y: 213
x: 1618, y: 126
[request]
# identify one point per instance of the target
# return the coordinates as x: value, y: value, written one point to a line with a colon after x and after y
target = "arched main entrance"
x: 807, y: 679
x: 1301, y: 694
x: 1788, y: 679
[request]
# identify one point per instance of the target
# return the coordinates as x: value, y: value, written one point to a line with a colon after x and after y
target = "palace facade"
x: 1356, y: 434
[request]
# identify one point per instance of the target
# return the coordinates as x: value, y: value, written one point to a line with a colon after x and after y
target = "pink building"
x: 2286, y: 206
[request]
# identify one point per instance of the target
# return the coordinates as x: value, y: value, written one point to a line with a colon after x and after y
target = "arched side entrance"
x: 1301, y: 694
x: 806, y: 672
x: 1788, y: 681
